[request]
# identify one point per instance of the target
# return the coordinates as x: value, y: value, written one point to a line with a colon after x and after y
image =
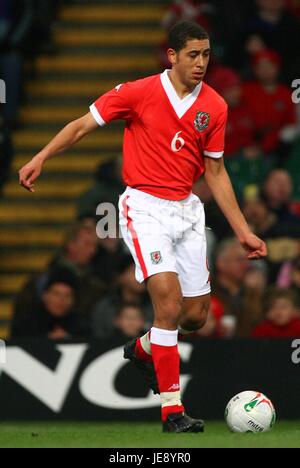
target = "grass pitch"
x: 135, y: 435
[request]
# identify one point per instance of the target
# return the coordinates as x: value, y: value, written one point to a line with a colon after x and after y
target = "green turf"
x: 121, y: 435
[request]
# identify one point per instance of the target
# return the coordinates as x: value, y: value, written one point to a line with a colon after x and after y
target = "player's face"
x: 191, y: 62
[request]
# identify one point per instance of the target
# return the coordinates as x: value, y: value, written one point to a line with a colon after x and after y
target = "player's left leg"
x: 195, y: 311
x: 193, y: 269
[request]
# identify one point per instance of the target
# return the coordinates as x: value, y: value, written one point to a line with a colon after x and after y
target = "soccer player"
x: 175, y: 127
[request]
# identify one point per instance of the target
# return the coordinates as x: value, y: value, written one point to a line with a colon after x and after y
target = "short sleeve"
x: 117, y: 104
x: 215, y: 143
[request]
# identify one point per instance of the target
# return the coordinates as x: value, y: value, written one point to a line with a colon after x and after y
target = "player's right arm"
x: 119, y: 103
x: 65, y: 139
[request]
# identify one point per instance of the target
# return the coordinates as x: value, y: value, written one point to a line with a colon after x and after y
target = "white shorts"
x: 166, y: 236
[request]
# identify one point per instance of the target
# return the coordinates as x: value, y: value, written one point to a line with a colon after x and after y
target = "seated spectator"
x: 231, y: 266
x: 244, y: 159
x: 76, y: 256
x: 129, y: 322
x: 229, y: 283
x: 110, y: 252
x: 282, y: 315
x: 106, y: 189
x: 255, y: 283
x: 240, y: 135
x: 277, y: 192
x: 127, y: 289
x: 265, y: 223
x: 270, y: 105
x: 79, y: 249
x: 54, y: 316
x: 282, y: 238
x: 270, y: 26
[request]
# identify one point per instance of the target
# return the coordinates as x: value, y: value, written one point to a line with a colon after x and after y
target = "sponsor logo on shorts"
x: 156, y: 258
x: 202, y: 121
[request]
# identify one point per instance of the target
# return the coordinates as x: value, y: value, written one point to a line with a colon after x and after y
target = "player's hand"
x: 29, y: 173
x: 255, y: 246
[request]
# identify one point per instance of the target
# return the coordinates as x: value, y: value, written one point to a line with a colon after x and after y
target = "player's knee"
x: 167, y: 300
x: 196, y: 318
x: 203, y: 314
x: 169, y: 312
x: 202, y: 320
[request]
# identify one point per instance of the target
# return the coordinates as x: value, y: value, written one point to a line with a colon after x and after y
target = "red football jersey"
x: 166, y: 138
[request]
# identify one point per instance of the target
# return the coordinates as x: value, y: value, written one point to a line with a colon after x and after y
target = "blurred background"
x: 57, y: 280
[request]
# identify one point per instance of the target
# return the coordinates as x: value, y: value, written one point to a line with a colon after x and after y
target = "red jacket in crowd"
x: 269, y: 330
x: 240, y: 130
x: 271, y: 112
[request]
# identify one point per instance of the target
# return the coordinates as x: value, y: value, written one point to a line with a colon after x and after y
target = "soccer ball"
x: 250, y: 412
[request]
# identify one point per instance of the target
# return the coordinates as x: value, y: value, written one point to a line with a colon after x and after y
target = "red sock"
x: 141, y: 353
x: 167, y: 367
x: 166, y: 363
x: 166, y: 410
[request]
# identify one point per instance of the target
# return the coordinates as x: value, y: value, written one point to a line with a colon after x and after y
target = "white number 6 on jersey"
x: 177, y: 143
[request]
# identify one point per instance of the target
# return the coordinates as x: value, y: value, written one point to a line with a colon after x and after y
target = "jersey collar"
x: 180, y: 106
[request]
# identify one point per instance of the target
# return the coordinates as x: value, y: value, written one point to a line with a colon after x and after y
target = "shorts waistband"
x: 160, y: 201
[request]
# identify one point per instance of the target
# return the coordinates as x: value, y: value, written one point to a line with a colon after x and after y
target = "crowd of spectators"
x: 90, y: 289
x: 254, y: 63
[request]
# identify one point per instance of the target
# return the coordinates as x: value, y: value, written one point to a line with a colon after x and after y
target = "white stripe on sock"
x: 145, y: 343
x: 164, y: 337
x: 170, y: 399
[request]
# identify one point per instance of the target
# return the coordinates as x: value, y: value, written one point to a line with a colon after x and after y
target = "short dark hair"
x: 273, y: 294
x: 184, y: 31
x: 75, y: 231
x: 62, y: 275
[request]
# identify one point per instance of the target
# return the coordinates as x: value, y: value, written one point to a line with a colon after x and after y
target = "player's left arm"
x: 219, y: 183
